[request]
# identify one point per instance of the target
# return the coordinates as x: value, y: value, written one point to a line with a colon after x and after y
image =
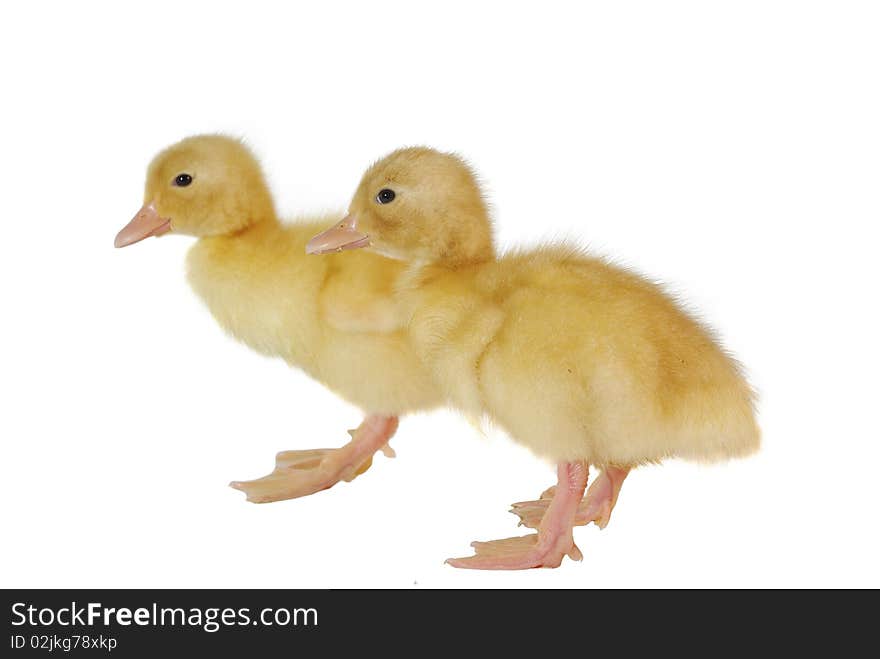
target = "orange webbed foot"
x: 300, y: 473
x: 519, y: 553
x: 553, y: 515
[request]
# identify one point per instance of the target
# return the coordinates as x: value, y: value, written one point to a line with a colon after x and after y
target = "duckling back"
x: 578, y: 360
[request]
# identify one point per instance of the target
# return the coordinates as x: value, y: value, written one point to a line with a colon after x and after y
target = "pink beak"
x: 343, y: 235
x: 146, y: 223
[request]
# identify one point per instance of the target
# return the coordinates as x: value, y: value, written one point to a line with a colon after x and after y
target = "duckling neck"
x: 420, y: 272
x: 425, y: 288
x: 224, y: 250
x: 260, y: 286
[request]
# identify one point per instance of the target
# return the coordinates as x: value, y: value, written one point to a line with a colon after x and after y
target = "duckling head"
x: 417, y: 205
x: 205, y: 185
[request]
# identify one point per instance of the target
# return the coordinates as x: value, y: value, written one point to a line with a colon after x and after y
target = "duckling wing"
x: 358, y: 294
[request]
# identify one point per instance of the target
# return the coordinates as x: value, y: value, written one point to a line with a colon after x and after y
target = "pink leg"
x: 550, y: 544
x: 300, y: 473
x: 596, y: 507
x: 602, y: 496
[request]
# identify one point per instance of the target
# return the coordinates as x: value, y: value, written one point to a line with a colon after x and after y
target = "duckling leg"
x: 602, y: 496
x: 550, y: 544
x: 300, y: 473
x: 596, y: 507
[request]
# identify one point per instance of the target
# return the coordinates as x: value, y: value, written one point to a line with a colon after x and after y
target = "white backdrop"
x: 729, y: 149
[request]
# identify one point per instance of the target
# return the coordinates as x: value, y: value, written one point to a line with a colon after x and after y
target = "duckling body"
x: 263, y: 290
x: 582, y: 362
x: 252, y: 273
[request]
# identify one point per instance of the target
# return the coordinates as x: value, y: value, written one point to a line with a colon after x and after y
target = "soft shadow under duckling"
x: 578, y: 360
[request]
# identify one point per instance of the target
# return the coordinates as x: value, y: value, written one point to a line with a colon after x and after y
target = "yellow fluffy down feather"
x: 252, y: 272
x: 575, y: 358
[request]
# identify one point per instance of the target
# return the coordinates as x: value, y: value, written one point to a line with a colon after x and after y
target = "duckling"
x: 583, y: 362
x: 251, y: 272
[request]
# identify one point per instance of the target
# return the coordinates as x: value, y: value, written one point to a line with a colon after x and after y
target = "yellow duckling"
x: 252, y: 273
x: 580, y: 361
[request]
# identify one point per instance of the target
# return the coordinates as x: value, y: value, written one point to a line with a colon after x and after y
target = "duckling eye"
x: 183, y: 180
x: 385, y: 196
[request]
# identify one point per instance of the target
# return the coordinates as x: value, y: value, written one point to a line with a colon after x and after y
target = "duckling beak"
x: 146, y: 223
x: 343, y: 235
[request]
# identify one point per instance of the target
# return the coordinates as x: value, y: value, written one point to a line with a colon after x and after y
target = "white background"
x: 730, y: 149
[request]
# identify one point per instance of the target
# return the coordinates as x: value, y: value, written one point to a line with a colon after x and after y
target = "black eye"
x: 385, y: 196
x: 183, y: 180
